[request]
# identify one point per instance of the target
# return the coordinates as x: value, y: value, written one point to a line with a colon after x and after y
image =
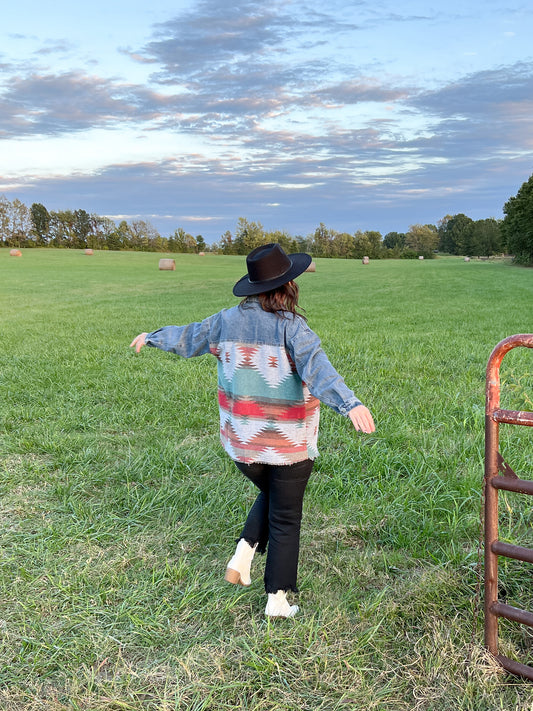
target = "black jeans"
x: 275, y: 519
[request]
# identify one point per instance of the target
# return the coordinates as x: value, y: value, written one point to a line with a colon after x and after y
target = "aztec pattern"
x: 279, y: 423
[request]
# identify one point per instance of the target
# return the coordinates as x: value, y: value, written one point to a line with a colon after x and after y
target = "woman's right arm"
x: 139, y: 341
x: 186, y: 341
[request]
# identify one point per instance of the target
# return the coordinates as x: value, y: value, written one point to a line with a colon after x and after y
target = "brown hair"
x: 280, y: 300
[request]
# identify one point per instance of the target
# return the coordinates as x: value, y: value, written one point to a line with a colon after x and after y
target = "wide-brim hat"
x: 269, y: 267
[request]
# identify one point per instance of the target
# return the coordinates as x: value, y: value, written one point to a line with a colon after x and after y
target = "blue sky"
x: 361, y: 115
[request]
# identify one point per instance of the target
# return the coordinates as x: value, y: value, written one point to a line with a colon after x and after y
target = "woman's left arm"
x: 362, y: 419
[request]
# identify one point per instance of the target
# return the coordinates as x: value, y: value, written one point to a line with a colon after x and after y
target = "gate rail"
x: 500, y: 476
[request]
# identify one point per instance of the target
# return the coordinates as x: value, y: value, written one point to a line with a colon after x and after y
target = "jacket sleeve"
x: 316, y: 371
x: 186, y: 341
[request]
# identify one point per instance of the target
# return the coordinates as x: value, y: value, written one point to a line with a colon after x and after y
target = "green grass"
x: 119, y: 509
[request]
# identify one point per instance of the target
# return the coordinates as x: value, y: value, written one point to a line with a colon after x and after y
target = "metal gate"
x: 499, y: 475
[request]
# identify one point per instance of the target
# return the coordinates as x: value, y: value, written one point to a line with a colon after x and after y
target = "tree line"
x: 35, y: 226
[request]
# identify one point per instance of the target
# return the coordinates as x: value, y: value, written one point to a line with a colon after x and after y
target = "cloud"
x: 354, y: 91
x: 480, y: 117
x: 483, y: 115
x: 61, y: 46
x: 225, y: 69
x: 285, y: 126
x: 232, y: 52
x: 475, y: 94
x: 51, y: 104
x: 216, y: 34
x: 228, y: 69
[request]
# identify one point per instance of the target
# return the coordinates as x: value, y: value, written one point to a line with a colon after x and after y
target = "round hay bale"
x: 311, y: 267
x: 201, y: 254
x: 366, y: 260
x: 15, y: 253
x: 467, y: 259
x: 167, y: 264
x: 89, y: 251
x: 421, y: 257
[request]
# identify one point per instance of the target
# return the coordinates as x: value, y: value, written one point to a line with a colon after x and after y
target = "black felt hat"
x: 269, y: 267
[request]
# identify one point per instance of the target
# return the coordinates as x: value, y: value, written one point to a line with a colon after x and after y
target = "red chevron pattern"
x: 271, y: 428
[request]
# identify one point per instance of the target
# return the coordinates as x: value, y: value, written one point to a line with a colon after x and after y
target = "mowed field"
x: 119, y: 509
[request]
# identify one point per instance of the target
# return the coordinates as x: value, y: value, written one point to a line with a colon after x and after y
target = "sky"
x: 194, y: 113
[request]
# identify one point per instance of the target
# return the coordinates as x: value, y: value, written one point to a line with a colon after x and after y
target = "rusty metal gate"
x: 499, y: 475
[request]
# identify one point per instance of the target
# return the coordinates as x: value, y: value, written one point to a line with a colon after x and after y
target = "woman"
x: 272, y: 375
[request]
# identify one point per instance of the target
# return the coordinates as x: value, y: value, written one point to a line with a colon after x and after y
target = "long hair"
x: 280, y: 301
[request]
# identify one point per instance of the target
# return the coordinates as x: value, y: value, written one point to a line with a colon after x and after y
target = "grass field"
x: 119, y: 509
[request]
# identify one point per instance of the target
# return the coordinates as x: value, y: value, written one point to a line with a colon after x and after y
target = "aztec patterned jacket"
x: 272, y: 372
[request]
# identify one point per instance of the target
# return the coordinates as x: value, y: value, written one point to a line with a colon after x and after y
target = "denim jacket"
x: 272, y: 372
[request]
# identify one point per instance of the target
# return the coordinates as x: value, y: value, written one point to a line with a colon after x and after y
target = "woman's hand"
x: 362, y: 419
x: 139, y: 342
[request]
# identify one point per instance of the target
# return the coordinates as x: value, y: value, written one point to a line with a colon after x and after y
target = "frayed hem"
x: 272, y: 590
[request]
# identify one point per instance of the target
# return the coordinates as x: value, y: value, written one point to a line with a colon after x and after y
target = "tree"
x: 486, y: 237
x: 103, y: 234
x: 5, y: 206
x: 143, y: 235
x: 82, y: 228
x: 200, y: 244
x: 517, y: 225
x: 281, y: 237
x: 367, y: 244
x: 303, y: 244
x: 15, y: 223
x: 445, y: 240
x: 343, y: 245
x: 455, y: 234
x: 226, y: 243
x: 323, y: 241
x: 19, y: 224
x: 362, y: 245
x: 120, y: 238
x: 248, y: 236
x: 394, y: 240
x: 62, y: 228
x: 183, y: 242
x: 40, y: 218
x: 376, y: 243
x: 422, y: 239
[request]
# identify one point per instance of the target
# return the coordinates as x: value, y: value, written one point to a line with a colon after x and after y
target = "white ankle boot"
x: 278, y: 605
x: 238, y: 569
